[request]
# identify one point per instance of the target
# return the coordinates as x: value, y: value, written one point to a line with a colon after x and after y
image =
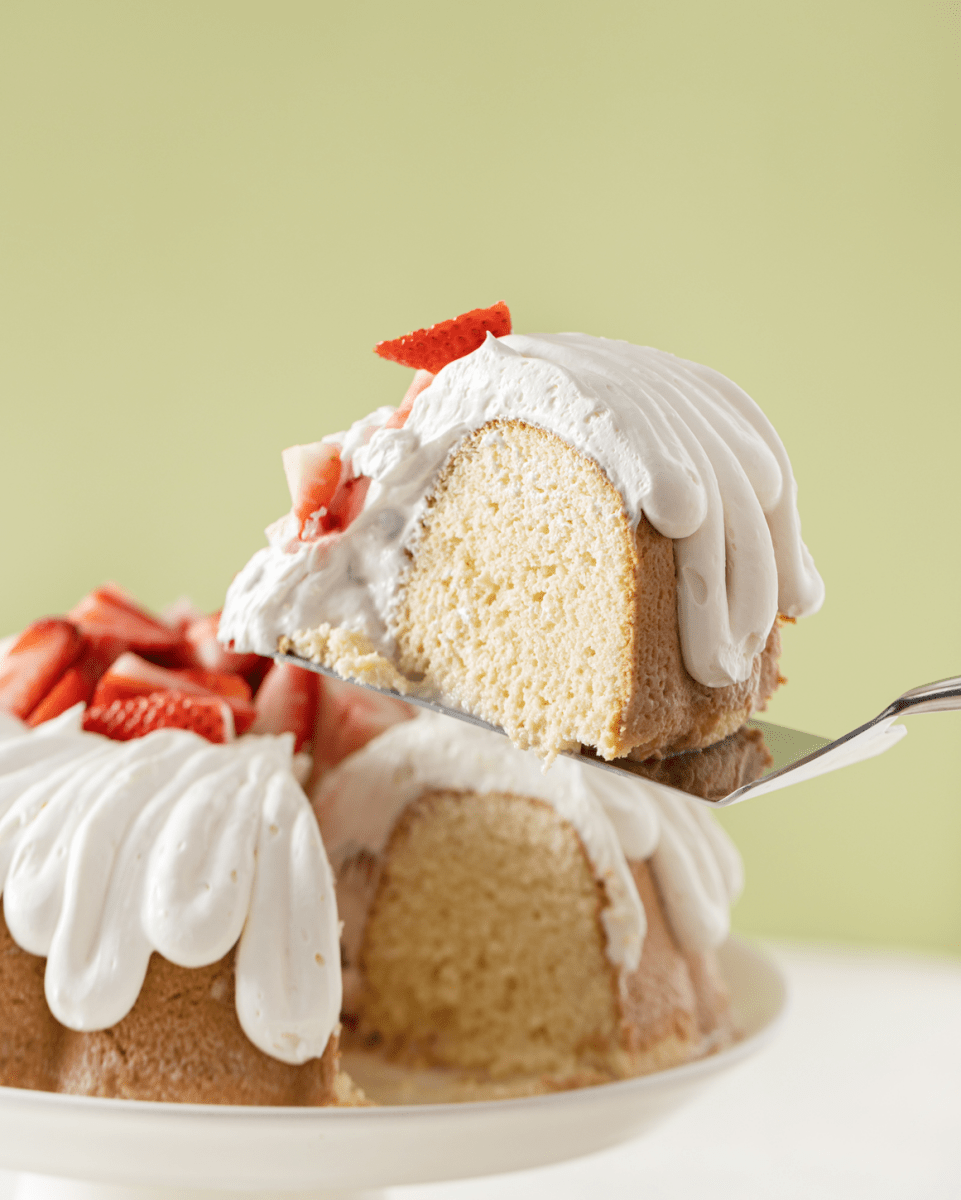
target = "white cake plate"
x: 78, y: 1148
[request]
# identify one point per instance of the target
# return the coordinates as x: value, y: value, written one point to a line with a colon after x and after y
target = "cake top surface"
x: 111, y: 850
x: 682, y: 444
x: 698, y: 868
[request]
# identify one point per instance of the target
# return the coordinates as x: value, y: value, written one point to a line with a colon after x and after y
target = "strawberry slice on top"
x: 136, y: 716
x: 35, y: 662
x: 433, y: 348
x: 111, y: 610
x: 131, y: 677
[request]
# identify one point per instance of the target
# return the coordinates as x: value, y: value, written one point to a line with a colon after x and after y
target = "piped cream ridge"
x: 112, y: 850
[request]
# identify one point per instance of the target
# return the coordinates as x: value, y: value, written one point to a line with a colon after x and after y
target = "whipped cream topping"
x: 698, y: 870
x: 112, y: 850
x: 682, y: 444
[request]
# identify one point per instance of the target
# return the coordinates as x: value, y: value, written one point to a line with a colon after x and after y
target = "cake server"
x: 795, y: 756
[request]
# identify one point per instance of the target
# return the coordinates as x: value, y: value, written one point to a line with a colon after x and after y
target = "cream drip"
x: 697, y: 868
x: 682, y: 444
x: 112, y: 850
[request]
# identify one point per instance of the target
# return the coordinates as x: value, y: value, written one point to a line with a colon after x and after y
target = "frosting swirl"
x: 110, y: 851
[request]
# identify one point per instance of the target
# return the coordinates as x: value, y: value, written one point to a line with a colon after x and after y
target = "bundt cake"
x: 508, y: 931
x: 170, y: 927
x: 584, y: 542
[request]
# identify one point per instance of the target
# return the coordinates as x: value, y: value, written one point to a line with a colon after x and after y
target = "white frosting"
x: 697, y: 868
x: 682, y: 444
x: 111, y: 850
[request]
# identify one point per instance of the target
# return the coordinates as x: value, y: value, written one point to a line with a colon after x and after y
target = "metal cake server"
x: 795, y: 756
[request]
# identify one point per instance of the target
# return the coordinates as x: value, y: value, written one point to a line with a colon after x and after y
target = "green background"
x: 210, y: 212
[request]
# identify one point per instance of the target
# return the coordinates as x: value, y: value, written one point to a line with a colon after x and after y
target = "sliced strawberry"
x: 433, y: 348
x: 35, y: 662
x: 350, y: 717
x: 137, y: 716
x: 133, y: 676
x: 313, y: 473
x: 347, y: 503
x: 71, y: 688
x: 210, y: 654
x: 420, y: 383
x: 110, y: 610
x: 287, y: 702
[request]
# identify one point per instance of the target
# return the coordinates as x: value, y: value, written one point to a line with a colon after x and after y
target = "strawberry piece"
x: 350, y: 717
x: 35, y: 662
x: 211, y: 655
x: 71, y: 688
x: 433, y: 348
x: 421, y: 382
x: 137, y: 716
x: 287, y: 702
x: 313, y: 473
x: 112, y: 611
x: 347, y: 503
x: 132, y: 676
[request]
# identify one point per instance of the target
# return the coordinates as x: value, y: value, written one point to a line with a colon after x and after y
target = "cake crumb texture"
x: 484, y: 954
x: 530, y: 602
x: 347, y: 652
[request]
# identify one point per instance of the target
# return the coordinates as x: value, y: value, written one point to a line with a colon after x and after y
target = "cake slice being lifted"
x: 582, y: 541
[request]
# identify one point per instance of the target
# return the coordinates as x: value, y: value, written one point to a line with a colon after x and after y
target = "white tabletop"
x: 858, y: 1096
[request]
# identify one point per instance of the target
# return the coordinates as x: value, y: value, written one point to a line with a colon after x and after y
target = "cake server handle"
x: 868, y: 740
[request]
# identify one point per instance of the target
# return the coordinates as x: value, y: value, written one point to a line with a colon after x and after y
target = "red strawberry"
x: 313, y: 473
x: 433, y: 348
x: 71, y: 688
x: 349, y: 717
x: 348, y: 502
x: 421, y: 382
x: 133, y: 676
x: 287, y: 702
x: 35, y: 662
x: 210, y: 654
x: 110, y: 610
x: 137, y: 716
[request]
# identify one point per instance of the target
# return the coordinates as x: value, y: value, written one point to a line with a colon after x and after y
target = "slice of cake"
x: 585, y: 542
x: 520, y: 931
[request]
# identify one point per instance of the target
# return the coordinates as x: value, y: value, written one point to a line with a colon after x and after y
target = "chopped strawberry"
x: 433, y: 348
x: 210, y: 654
x: 132, y: 676
x: 313, y: 473
x: 137, y: 716
x: 79, y: 681
x: 287, y: 702
x: 348, y: 502
x: 71, y: 688
x: 350, y: 717
x: 110, y: 610
x: 420, y: 383
x: 35, y: 662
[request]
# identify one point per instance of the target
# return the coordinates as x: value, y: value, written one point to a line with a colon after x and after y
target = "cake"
x: 509, y: 931
x: 169, y: 927
x: 584, y: 542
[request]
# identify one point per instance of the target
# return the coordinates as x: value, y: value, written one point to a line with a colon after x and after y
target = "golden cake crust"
x: 181, y: 1042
